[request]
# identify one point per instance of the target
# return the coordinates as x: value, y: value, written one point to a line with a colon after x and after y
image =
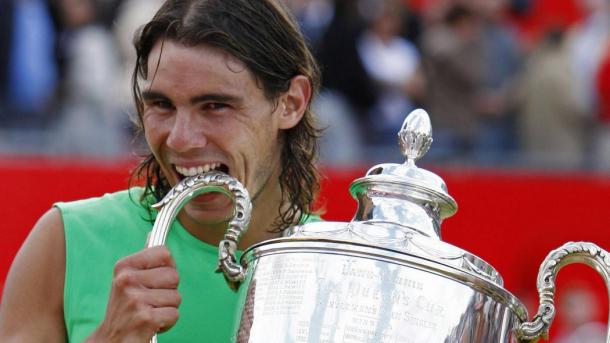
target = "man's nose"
x: 186, y: 133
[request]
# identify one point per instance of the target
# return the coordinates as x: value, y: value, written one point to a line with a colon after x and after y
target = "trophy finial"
x: 403, y: 193
x: 415, y: 135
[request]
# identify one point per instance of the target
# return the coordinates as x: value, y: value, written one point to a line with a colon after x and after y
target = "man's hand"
x: 144, y: 298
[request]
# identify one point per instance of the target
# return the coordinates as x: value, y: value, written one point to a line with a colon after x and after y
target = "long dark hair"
x: 264, y: 36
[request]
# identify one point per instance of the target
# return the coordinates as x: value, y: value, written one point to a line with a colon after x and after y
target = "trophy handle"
x: 571, y: 252
x: 191, y: 187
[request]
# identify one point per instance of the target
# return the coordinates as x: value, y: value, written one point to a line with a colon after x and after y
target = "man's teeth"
x: 192, y: 171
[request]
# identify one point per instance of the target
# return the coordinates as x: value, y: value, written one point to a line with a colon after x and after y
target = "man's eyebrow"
x: 217, y: 98
x: 149, y: 95
x: 152, y: 95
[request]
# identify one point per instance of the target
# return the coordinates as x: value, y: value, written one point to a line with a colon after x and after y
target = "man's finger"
x: 148, y: 258
x: 158, y: 278
x: 160, y: 298
x: 165, y: 317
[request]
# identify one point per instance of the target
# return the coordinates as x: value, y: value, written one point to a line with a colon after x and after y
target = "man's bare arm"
x: 143, y: 298
x: 32, y: 303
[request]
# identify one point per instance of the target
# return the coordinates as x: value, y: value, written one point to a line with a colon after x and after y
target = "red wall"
x: 512, y: 220
x: 30, y: 187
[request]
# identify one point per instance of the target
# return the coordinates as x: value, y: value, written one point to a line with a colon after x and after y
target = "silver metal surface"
x: 395, y: 238
x: 191, y: 187
x: 415, y: 135
x: 325, y: 291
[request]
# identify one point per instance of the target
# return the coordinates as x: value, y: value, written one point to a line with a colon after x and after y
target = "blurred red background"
x: 510, y: 219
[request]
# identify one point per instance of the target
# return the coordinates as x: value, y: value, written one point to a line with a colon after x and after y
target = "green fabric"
x: 100, y: 231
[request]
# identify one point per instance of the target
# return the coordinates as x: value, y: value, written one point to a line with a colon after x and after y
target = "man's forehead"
x: 210, y: 68
x: 203, y: 50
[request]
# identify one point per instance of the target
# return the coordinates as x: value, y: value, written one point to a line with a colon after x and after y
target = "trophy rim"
x: 406, y: 240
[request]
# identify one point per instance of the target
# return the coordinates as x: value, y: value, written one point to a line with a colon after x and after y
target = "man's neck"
x: 265, y: 210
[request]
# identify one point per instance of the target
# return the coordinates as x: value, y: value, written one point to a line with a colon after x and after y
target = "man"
x: 219, y: 84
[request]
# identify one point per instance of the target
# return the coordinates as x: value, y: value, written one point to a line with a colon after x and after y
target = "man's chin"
x: 210, y: 213
x: 212, y: 200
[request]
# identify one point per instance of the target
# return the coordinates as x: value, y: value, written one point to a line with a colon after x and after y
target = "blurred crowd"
x: 65, y: 76
x: 496, y: 96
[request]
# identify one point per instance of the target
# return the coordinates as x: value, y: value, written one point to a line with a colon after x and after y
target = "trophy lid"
x: 382, y: 194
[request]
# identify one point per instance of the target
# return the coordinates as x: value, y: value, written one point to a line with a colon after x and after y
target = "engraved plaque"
x: 313, y: 297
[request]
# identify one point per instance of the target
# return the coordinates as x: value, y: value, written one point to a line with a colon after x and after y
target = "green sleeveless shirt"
x: 100, y: 231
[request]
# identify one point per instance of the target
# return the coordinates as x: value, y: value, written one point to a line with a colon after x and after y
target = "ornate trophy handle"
x: 191, y: 187
x: 572, y: 252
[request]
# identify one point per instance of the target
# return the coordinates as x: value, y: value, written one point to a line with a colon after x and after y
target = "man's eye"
x: 158, y: 104
x: 215, y: 106
x: 163, y: 104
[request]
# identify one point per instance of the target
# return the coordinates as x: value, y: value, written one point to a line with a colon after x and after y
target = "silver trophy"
x: 383, y: 277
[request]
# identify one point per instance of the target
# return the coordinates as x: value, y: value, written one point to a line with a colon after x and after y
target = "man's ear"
x: 295, y: 101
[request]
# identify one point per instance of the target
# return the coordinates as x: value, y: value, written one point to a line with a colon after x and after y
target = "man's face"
x: 203, y: 110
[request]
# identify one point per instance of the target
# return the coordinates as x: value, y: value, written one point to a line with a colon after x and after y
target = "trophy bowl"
x: 384, y: 277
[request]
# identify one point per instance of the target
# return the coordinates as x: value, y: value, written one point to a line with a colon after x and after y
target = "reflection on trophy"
x: 384, y: 277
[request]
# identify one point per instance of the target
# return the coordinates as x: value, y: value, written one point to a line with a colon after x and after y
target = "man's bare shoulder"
x: 32, y: 302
